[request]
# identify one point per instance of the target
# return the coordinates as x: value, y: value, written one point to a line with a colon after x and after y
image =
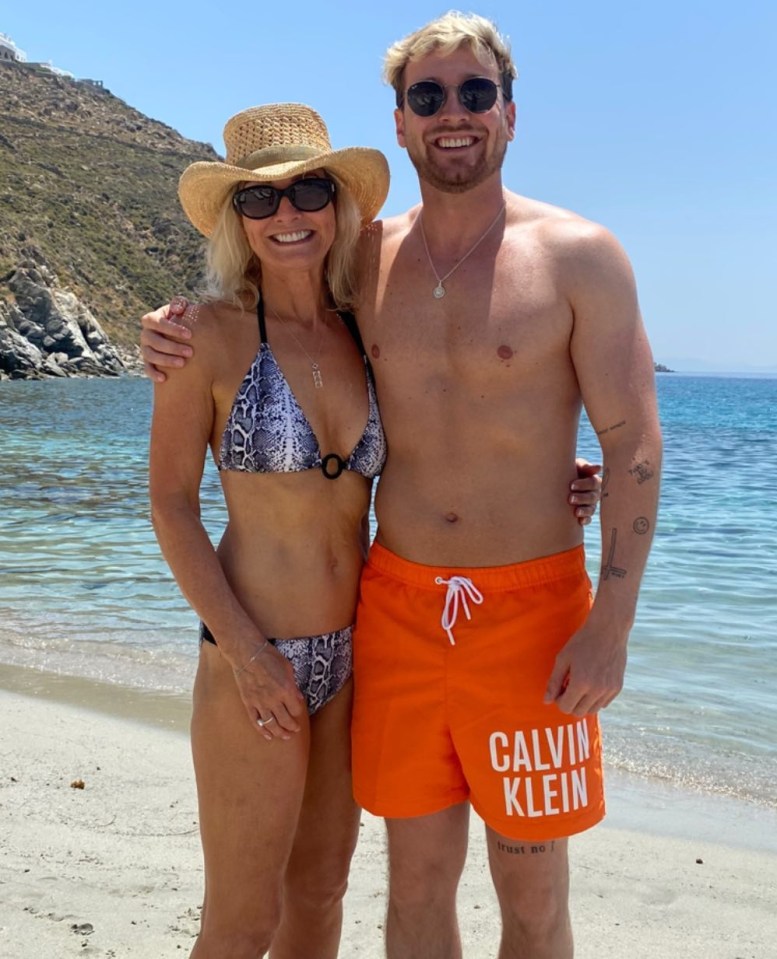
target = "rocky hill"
x: 91, y: 233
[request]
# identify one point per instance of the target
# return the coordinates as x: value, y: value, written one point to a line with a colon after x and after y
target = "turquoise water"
x: 83, y: 590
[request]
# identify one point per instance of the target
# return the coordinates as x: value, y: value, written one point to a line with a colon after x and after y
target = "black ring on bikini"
x: 341, y: 465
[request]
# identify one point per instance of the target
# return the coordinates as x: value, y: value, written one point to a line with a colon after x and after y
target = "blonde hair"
x: 234, y: 273
x: 445, y: 35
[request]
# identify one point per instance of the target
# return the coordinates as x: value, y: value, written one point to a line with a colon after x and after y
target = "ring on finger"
x: 265, y: 722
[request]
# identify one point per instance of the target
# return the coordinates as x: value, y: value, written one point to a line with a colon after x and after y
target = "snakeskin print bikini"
x: 322, y: 664
x: 267, y: 432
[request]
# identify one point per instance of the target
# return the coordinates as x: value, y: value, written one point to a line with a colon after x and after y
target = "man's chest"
x: 490, y: 332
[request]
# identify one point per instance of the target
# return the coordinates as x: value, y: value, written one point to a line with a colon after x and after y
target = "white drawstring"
x: 459, y: 588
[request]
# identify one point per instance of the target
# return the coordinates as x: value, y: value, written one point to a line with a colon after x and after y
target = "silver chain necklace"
x: 318, y: 380
x: 439, y: 291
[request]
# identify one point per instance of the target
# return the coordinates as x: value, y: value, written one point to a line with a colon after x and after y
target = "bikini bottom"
x: 322, y: 664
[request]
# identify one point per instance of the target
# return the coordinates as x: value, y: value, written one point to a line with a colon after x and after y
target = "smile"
x: 295, y: 237
x: 454, y: 143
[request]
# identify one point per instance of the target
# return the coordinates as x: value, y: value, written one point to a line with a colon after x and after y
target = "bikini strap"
x: 260, y: 317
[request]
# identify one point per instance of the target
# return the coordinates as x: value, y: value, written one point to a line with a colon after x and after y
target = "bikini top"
x: 267, y: 432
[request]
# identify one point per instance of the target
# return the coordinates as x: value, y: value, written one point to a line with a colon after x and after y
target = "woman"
x: 281, y: 393
x: 279, y: 388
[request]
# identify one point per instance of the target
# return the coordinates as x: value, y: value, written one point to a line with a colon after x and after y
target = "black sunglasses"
x: 425, y: 98
x: 261, y: 200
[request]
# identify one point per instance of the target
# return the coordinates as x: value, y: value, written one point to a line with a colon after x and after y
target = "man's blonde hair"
x: 234, y: 274
x: 444, y: 36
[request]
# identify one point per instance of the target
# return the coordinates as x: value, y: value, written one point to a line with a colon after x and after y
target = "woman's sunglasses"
x: 425, y: 98
x: 260, y: 201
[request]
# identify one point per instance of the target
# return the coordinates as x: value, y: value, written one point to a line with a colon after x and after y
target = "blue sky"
x: 657, y: 119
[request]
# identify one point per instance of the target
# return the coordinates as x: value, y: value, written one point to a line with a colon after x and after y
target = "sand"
x: 113, y: 869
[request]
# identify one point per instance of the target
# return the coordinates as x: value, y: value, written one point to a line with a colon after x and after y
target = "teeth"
x: 292, y: 237
x: 450, y: 142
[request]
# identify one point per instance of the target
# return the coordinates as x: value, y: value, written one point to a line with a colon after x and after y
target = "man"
x: 490, y: 319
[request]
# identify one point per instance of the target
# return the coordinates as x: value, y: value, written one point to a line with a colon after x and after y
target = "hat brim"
x: 205, y: 186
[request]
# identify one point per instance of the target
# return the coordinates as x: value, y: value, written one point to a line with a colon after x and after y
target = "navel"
x: 505, y: 352
x: 451, y: 517
x: 375, y: 351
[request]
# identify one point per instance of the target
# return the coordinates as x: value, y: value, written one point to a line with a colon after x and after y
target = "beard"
x: 457, y: 181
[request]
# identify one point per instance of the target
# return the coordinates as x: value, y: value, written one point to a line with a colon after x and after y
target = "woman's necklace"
x: 318, y: 380
x: 439, y: 291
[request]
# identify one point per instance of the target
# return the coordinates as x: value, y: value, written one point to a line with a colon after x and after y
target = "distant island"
x: 660, y: 368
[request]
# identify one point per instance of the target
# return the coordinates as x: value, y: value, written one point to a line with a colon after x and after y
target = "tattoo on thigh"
x: 512, y: 850
x: 641, y: 525
x: 608, y: 569
x: 525, y: 850
x: 642, y: 472
x: 605, y: 482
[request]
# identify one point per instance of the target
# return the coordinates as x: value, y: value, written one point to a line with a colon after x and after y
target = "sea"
x: 85, y: 593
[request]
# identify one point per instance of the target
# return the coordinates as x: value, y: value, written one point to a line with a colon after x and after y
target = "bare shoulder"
x: 583, y: 251
x: 388, y: 229
x: 214, y: 325
x: 588, y: 264
x: 214, y: 319
x: 397, y: 227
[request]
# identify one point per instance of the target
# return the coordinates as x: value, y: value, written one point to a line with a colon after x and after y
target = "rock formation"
x: 47, y: 331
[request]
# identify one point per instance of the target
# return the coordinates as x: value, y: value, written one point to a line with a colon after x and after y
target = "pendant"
x: 439, y: 291
x: 318, y: 381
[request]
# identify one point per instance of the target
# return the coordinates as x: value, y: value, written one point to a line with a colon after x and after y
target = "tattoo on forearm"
x: 609, y: 429
x: 608, y: 569
x: 605, y: 482
x: 642, y: 472
x: 525, y: 850
x: 641, y: 525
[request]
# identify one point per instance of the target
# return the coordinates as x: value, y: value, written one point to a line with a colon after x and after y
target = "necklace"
x: 318, y: 381
x: 439, y: 291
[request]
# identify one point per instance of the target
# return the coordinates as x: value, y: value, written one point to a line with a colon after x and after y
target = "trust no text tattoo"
x: 524, y: 850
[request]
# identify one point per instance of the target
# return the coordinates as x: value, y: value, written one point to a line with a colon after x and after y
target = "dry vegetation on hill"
x: 90, y: 184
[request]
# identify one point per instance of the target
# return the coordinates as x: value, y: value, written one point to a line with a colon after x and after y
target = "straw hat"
x: 274, y: 142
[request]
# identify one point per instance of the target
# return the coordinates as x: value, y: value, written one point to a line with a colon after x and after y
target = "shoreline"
x: 657, y: 807
x: 113, y: 869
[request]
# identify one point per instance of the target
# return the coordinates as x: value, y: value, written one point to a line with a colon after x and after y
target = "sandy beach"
x: 101, y: 857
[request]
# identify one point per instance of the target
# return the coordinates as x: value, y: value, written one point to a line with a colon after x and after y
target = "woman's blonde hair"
x: 444, y: 36
x: 234, y: 273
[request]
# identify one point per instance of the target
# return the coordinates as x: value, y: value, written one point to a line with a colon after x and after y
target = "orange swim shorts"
x: 450, y: 670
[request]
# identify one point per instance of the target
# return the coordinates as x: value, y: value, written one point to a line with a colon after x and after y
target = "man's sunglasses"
x: 425, y: 98
x: 260, y: 201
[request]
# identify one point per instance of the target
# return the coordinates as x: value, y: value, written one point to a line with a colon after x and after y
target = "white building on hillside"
x: 9, y: 50
x: 10, y: 53
x: 49, y: 67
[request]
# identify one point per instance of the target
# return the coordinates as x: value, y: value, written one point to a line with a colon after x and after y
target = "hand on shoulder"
x: 169, y: 335
x: 164, y: 338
